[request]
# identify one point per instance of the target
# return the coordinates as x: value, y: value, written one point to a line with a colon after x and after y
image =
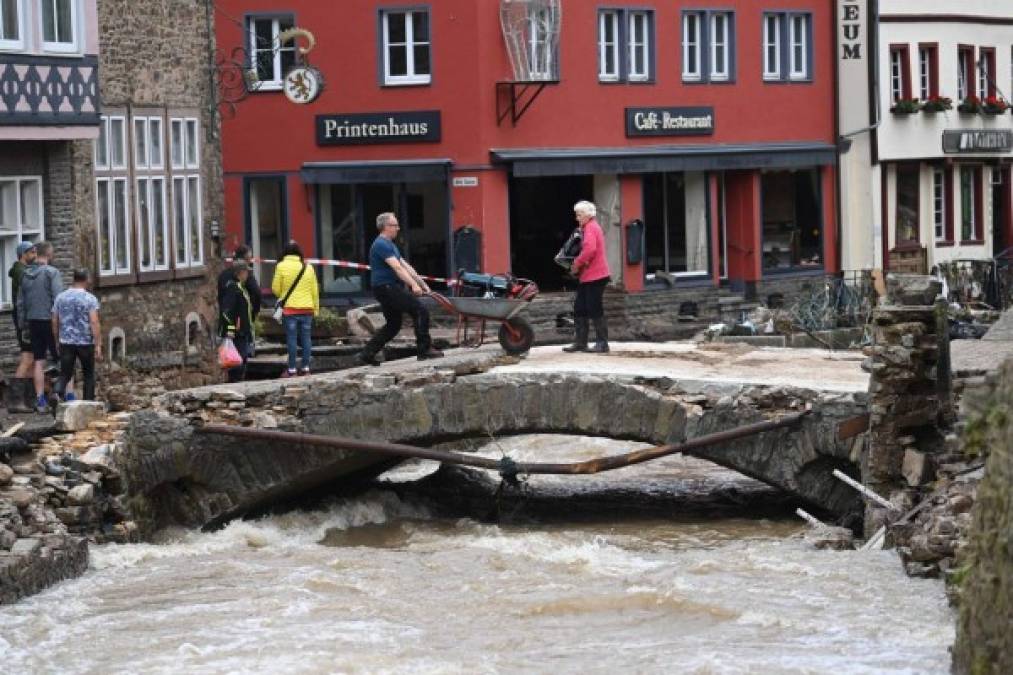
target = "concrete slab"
x: 715, y: 363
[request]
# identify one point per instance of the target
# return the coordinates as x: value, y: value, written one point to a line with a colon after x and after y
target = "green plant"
x: 906, y: 106
x: 328, y: 320
x: 934, y: 104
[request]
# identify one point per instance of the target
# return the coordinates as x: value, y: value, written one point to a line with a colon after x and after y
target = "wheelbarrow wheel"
x: 516, y: 336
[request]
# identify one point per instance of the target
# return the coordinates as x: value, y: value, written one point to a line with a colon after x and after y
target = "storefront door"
x: 267, y: 225
x: 676, y: 220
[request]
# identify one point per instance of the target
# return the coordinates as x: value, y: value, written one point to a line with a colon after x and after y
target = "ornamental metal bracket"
x: 234, y: 79
x: 514, y: 97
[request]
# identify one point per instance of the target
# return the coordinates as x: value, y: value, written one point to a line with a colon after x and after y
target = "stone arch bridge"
x: 177, y: 476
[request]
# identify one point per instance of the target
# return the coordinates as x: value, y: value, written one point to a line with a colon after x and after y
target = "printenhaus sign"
x: 669, y: 121
x: 978, y: 140
x: 418, y: 126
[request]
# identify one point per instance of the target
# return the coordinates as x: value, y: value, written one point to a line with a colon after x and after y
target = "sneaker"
x: 69, y: 398
x: 289, y: 373
x: 431, y: 353
x: 304, y: 371
x: 41, y: 404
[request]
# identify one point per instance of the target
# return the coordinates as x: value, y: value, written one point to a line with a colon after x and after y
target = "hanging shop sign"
x: 418, y: 126
x: 669, y: 121
x: 978, y: 140
x: 303, y: 84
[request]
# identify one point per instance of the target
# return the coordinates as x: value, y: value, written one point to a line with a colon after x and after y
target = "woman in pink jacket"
x: 591, y: 268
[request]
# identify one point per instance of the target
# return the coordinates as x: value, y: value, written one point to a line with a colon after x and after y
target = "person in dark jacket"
x: 244, y: 254
x: 40, y: 284
x: 20, y: 390
x: 237, y: 317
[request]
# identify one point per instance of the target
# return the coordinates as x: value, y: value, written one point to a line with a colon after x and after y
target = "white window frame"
x: 983, y: 68
x: 798, y: 34
x: 72, y: 47
x: 692, y: 47
x: 410, y: 43
x: 538, y: 28
x: 18, y: 43
x: 608, y: 17
x: 276, y: 82
x: 113, y: 173
x: 150, y: 178
x: 939, y: 203
x: 12, y: 234
x: 969, y: 170
x: 896, y: 75
x: 184, y: 174
x: 633, y: 46
x: 724, y: 73
x: 924, y: 73
x: 963, y: 88
x: 771, y: 23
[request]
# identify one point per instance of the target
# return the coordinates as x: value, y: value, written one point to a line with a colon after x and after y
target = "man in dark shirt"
x: 20, y: 393
x: 390, y: 274
x: 252, y: 285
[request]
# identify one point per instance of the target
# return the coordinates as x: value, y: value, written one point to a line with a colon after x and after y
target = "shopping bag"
x: 228, y: 355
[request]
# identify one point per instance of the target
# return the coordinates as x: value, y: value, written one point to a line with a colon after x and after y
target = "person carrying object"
x: 76, y: 324
x: 20, y: 392
x: 40, y: 284
x: 396, y: 286
x: 237, y: 317
x: 295, y: 286
x: 592, y: 270
x: 241, y: 254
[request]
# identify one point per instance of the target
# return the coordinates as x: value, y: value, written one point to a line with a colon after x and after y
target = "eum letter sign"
x: 669, y: 121
x: 420, y: 126
x: 993, y: 140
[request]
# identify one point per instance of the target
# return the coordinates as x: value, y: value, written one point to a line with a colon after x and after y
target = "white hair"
x: 586, y: 208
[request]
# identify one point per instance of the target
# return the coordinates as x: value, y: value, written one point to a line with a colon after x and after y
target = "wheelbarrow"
x: 503, y: 300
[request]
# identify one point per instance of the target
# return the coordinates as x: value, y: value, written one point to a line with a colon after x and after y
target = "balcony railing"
x: 48, y: 91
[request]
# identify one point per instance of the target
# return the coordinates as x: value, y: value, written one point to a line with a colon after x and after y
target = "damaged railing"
x: 508, y: 468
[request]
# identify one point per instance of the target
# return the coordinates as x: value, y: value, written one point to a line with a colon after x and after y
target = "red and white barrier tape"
x: 349, y: 265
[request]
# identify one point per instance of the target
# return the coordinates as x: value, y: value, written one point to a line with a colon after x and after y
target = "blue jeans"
x: 297, y: 330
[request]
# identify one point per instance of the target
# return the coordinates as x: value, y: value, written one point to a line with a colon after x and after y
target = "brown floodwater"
x: 380, y: 585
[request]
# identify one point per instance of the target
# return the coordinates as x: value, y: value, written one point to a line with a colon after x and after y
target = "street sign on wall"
x: 957, y: 141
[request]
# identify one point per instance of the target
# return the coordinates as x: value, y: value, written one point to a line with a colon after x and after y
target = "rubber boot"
x: 28, y: 393
x: 14, y: 396
x: 580, y: 328
x: 601, y: 333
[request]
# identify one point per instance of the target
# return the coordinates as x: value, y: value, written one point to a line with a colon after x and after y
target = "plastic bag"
x: 228, y: 355
x: 570, y: 250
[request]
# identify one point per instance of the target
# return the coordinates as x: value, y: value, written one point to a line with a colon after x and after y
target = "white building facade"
x: 939, y: 142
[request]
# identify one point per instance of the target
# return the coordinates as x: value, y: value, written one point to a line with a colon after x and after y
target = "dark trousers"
x: 588, y: 301
x: 242, y: 343
x: 396, y: 302
x: 69, y: 355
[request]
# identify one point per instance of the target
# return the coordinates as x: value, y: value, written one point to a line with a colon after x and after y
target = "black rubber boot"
x: 580, y: 328
x: 601, y: 333
x: 16, y: 400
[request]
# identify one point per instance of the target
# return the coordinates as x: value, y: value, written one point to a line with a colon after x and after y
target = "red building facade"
x: 704, y: 132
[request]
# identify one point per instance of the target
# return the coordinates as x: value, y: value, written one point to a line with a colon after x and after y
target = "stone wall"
x: 983, y: 643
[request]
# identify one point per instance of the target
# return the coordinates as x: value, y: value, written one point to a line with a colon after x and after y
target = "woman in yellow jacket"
x: 301, y: 306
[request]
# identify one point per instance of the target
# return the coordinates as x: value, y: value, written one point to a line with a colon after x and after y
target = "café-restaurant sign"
x: 977, y: 140
x: 417, y: 126
x: 669, y: 121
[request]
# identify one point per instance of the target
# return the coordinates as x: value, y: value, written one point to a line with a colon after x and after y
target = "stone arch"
x: 192, y: 328
x: 117, y: 346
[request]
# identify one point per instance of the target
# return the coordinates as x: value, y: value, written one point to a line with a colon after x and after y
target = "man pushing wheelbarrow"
x: 397, y: 287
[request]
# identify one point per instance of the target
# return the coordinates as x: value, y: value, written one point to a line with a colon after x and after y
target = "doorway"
x: 267, y: 227
x: 676, y: 222
x: 541, y: 219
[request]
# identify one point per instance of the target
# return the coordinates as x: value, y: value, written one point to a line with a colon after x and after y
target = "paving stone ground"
x: 969, y: 357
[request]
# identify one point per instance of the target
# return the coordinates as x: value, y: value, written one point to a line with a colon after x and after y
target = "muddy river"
x: 382, y: 585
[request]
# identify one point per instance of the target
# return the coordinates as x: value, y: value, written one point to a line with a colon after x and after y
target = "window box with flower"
x: 970, y: 106
x: 906, y: 106
x: 994, y: 105
x: 935, y: 104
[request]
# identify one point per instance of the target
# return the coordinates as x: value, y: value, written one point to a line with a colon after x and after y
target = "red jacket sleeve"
x: 588, y: 248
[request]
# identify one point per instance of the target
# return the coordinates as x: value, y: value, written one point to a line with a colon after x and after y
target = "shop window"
x: 268, y: 56
x: 791, y: 61
x: 908, y: 202
x: 406, y: 47
x: 939, y: 203
x: 970, y: 204
x: 267, y: 225
x: 59, y: 25
x: 21, y: 218
x: 11, y: 13
x: 676, y: 221
x: 928, y: 71
x: 792, y: 220
x: 708, y: 46
x: 625, y: 45
x: 986, y: 73
x: 900, y: 73
x: 965, y: 71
